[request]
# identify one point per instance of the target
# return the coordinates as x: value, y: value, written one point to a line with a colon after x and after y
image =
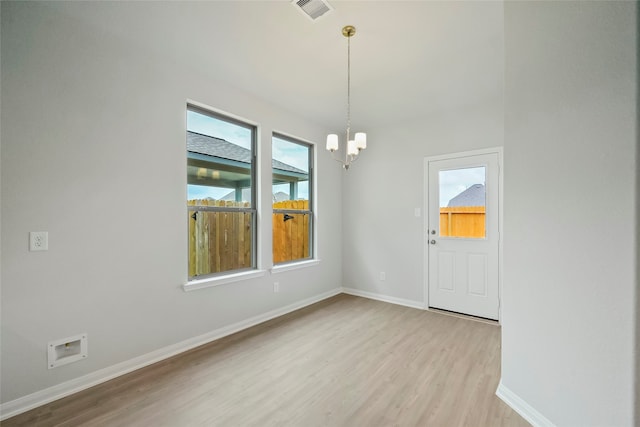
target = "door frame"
x: 425, y: 222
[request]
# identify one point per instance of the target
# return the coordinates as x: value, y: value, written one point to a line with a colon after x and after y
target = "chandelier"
x: 359, y: 141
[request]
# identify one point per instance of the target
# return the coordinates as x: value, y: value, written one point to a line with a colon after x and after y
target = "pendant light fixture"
x: 359, y: 141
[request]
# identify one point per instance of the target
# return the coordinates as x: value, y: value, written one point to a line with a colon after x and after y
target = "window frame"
x: 205, y: 280
x: 310, y: 211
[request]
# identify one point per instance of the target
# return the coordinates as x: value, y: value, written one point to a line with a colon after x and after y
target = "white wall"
x: 385, y: 186
x: 570, y: 253
x: 93, y: 145
x: 93, y: 151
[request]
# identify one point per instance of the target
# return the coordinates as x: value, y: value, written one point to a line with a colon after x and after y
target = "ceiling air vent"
x: 312, y: 9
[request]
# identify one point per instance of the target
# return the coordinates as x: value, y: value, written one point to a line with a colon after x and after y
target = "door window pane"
x: 462, y: 202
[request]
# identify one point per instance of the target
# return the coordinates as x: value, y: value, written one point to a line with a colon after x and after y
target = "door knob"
x: 433, y: 242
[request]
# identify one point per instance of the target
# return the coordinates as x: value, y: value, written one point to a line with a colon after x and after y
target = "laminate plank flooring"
x: 346, y: 361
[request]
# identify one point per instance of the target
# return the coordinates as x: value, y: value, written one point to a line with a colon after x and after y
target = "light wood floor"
x: 346, y: 361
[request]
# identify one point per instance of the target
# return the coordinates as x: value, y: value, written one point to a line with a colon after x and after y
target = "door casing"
x: 425, y: 226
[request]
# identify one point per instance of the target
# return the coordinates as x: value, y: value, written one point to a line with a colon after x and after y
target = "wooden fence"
x: 290, y: 237
x: 462, y: 221
x: 218, y: 241
x: 221, y: 241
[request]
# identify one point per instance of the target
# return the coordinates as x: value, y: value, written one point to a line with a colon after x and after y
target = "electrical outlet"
x: 276, y: 286
x: 38, y: 241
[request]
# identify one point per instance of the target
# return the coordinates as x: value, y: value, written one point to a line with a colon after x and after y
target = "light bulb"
x: 352, y: 150
x: 361, y: 140
x: 332, y: 142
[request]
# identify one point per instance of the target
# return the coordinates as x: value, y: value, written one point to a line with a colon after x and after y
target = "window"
x: 292, y: 166
x: 220, y: 193
x: 462, y: 202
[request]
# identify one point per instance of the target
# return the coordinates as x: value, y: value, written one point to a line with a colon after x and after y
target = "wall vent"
x: 313, y: 9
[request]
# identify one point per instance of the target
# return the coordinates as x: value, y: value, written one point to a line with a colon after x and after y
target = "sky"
x: 287, y: 152
x: 230, y: 132
x: 455, y: 181
x: 296, y: 155
x: 292, y: 154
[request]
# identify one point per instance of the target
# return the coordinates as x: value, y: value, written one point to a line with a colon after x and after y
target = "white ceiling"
x: 409, y: 58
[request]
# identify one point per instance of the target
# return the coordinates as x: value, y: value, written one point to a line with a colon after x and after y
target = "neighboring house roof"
x: 472, y: 196
x: 277, y: 197
x: 280, y: 196
x: 212, y: 146
x: 246, y: 195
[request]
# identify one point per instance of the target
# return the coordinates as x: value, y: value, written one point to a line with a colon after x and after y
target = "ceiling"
x: 408, y: 58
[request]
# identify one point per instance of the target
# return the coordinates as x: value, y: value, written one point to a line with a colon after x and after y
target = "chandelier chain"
x: 348, y: 87
x: 352, y: 147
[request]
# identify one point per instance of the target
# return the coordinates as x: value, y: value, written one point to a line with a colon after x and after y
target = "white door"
x: 463, y: 235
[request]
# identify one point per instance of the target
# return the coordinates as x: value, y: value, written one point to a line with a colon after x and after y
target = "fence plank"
x: 192, y: 241
x: 305, y: 236
x: 463, y: 221
x: 290, y: 238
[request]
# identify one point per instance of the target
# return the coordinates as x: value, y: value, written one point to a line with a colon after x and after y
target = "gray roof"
x: 280, y: 196
x: 212, y: 146
x: 472, y: 196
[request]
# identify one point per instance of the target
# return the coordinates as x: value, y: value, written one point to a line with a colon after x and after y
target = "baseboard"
x: 384, y: 298
x: 525, y: 410
x: 42, y: 397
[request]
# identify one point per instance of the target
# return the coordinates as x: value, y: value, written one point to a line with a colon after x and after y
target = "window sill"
x: 217, y: 281
x: 294, y: 266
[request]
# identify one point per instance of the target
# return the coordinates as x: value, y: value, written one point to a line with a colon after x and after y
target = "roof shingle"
x: 472, y: 196
x: 217, y: 147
